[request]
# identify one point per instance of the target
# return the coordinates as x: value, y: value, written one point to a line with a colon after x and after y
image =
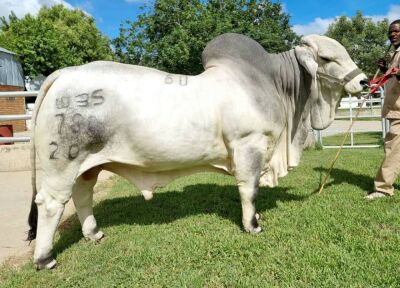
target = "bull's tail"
x: 33, y: 214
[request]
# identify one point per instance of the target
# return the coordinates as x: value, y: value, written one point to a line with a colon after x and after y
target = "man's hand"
x: 382, y: 65
x: 380, y: 81
x: 394, y: 72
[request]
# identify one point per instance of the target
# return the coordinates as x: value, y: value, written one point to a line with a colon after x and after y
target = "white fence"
x: 26, y: 116
x: 371, y: 110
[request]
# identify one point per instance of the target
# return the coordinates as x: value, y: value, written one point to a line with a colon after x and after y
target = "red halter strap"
x: 380, y: 81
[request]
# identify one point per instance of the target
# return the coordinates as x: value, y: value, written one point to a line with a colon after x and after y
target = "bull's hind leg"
x: 51, y: 204
x: 83, y: 199
x: 248, y: 160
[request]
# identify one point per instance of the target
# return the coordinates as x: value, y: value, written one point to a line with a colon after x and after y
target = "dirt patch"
x: 101, y: 190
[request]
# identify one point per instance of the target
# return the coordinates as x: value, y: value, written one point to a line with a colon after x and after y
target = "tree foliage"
x: 172, y: 34
x: 365, y: 40
x: 57, y: 37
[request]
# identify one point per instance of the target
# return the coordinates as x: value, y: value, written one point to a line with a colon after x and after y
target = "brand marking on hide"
x: 182, y: 79
x: 52, y: 155
x: 83, y: 100
x: 62, y: 119
x: 73, y: 151
x: 62, y: 102
x: 78, y: 130
x: 77, y: 121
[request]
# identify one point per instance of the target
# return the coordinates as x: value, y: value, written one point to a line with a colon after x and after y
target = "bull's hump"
x: 235, y: 48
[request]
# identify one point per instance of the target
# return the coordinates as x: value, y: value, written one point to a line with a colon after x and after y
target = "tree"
x: 56, y: 38
x: 365, y: 40
x: 172, y: 34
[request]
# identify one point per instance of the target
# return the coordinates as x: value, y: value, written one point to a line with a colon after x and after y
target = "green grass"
x: 377, y: 118
x: 360, y: 138
x: 190, y: 234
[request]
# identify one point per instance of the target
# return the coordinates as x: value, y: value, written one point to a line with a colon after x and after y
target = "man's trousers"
x: 390, y: 166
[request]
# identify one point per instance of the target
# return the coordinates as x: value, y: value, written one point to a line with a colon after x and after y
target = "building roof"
x: 7, y: 51
x: 10, y: 69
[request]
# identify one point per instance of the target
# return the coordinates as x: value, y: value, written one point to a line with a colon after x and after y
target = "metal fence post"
x: 351, y: 120
x: 320, y: 137
x: 385, y: 122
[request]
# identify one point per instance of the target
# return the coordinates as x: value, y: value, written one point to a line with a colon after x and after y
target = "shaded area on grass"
x: 340, y: 176
x: 170, y: 206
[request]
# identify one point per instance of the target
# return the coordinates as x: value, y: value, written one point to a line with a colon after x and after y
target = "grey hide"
x: 281, y: 91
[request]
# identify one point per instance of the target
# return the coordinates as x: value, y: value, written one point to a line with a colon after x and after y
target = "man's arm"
x: 382, y: 65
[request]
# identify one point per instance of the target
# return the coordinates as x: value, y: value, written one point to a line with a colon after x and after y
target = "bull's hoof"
x: 95, y: 237
x: 253, y: 227
x: 50, y: 263
x: 253, y: 230
x: 258, y: 216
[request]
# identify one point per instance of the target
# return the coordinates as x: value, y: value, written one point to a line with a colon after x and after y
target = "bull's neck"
x: 288, y: 77
x: 291, y: 82
x: 293, y: 85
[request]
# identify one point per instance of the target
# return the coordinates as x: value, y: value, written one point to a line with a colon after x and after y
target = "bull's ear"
x: 306, y: 58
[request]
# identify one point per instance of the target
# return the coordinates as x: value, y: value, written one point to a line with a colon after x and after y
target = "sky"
x: 306, y: 16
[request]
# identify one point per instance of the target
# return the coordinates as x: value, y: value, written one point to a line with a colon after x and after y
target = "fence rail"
x: 352, y: 105
x: 19, y: 94
x: 14, y: 139
x: 16, y: 117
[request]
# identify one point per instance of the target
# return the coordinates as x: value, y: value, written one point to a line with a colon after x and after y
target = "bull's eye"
x: 325, y: 59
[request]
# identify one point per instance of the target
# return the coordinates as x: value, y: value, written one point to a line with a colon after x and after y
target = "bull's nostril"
x: 364, y: 83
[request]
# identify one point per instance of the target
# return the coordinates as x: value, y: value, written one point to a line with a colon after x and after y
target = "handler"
x: 390, y: 167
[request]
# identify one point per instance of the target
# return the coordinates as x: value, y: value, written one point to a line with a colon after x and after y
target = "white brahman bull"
x: 246, y: 115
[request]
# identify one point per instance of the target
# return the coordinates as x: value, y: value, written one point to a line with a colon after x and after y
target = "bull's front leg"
x: 248, y: 160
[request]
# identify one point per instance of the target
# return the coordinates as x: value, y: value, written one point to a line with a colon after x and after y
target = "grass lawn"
x: 190, y: 234
x: 360, y: 138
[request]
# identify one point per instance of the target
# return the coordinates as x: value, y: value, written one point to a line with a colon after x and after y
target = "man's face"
x: 394, y: 34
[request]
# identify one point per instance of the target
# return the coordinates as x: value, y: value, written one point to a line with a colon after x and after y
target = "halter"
x: 342, y: 81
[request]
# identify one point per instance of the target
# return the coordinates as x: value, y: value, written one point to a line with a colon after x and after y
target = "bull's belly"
x: 147, y: 181
x: 148, y: 171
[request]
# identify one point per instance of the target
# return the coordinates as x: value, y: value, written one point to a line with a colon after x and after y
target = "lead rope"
x: 352, y: 123
x: 341, y: 146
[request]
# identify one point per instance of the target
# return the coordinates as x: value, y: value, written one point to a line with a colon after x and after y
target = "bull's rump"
x: 108, y: 112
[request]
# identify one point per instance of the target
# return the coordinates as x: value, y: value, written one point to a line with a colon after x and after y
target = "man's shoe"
x: 376, y: 195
